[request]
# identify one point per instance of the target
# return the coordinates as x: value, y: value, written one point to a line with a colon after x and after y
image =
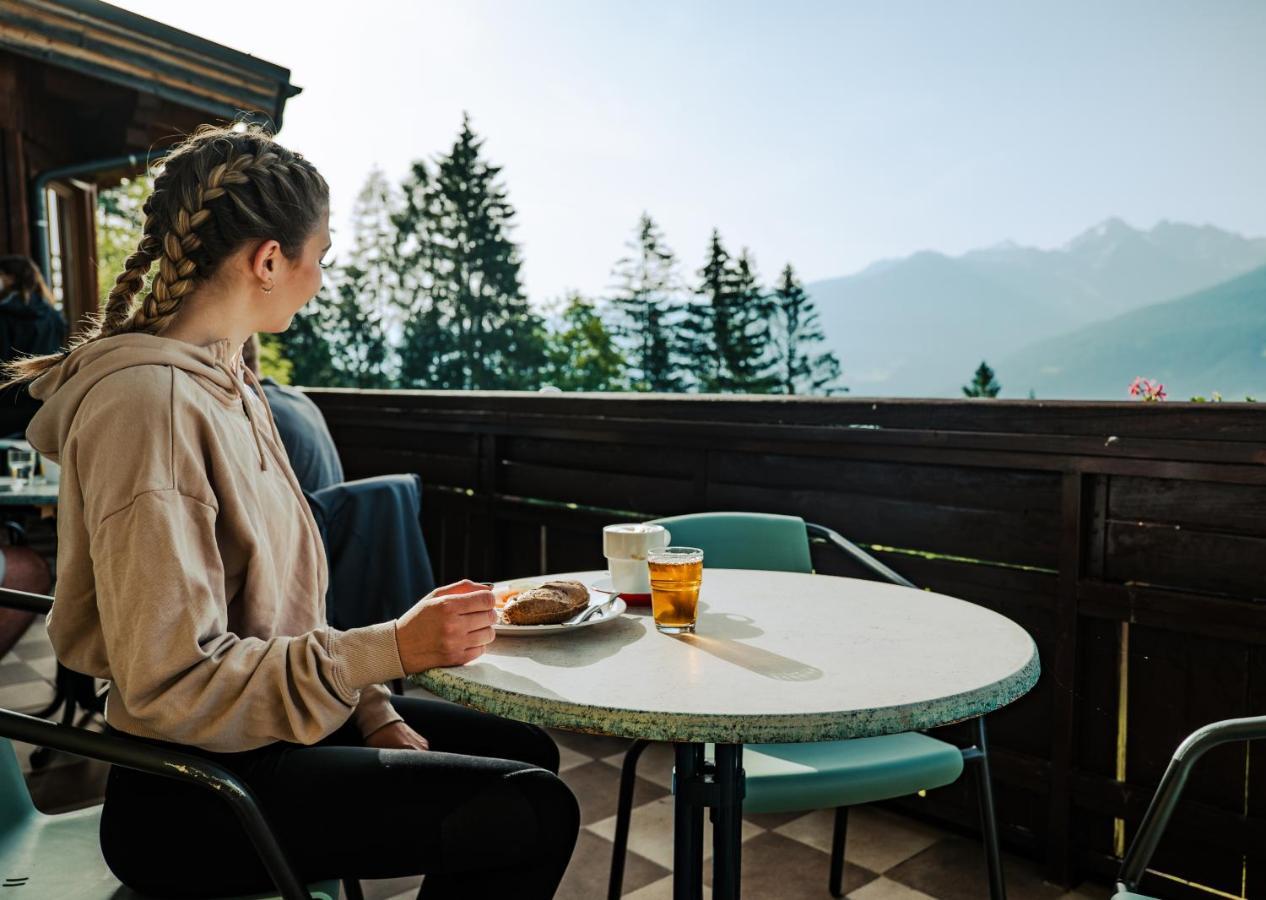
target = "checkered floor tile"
x: 889, y: 857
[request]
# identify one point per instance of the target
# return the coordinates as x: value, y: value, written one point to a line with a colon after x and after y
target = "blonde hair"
x: 219, y: 189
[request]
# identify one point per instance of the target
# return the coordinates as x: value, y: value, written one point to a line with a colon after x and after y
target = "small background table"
x: 41, y: 495
x: 778, y: 657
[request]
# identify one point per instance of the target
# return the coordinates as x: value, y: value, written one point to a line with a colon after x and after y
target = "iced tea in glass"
x: 676, y: 573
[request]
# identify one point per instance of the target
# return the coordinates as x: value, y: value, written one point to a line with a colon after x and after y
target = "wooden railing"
x: 1129, y: 539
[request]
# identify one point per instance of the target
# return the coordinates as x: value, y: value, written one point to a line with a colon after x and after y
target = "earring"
x: 267, y: 290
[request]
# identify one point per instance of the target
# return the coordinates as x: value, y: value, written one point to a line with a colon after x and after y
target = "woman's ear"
x: 264, y: 262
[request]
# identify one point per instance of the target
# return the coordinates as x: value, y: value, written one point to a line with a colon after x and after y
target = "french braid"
x: 221, y: 189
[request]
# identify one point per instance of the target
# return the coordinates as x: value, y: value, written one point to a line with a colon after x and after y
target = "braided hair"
x: 221, y: 188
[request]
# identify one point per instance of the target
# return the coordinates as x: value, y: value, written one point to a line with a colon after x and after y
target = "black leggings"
x: 481, y: 814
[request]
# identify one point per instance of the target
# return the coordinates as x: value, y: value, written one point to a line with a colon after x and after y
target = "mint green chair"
x: 1165, y: 800
x: 60, y: 855
x: 829, y: 774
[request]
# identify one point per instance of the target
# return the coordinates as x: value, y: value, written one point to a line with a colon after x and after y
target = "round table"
x: 777, y: 657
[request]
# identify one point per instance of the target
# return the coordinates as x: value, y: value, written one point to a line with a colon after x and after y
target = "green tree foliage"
x: 473, y: 321
x: 983, y: 384
x: 648, y: 309
x: 272, y: 361
x: 119, y: 220
x: 366, y: 288
x: 727, y: 331
x: 747, y: 357
x: 581, y: 353
x: 307, y: 343
x: 796, y: 337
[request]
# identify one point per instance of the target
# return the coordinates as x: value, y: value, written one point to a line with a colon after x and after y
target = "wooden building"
x: 88, y: 93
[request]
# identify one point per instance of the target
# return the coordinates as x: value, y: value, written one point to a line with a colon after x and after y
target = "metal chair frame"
x: 977, y: 756
x: 1165, y: 800
x: 143, y: 757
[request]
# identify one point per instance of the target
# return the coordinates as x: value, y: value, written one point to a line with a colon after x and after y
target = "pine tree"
x: 796, y: 334
x: 472, y: 327
x: 747, y: 358
x: 706, y: 328
x: 647, y: 308
x: 727, y: 331
x: 366, y: 288
x: 983, y: 384
x: 582, y: 354
x: 425, y: 346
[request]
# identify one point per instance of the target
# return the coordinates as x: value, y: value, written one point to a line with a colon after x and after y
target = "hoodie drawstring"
x: 246, y: 407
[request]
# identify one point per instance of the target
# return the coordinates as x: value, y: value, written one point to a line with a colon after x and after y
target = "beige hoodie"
x: 190, y: 572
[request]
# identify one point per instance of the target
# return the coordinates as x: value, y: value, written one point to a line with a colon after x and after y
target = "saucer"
x: 605, y: 586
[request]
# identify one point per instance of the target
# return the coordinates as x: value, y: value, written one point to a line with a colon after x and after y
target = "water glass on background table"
x: 21, y: 462
x: 676, y: 573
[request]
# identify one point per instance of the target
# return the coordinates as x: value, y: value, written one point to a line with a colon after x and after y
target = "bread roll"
x: 549, y: 604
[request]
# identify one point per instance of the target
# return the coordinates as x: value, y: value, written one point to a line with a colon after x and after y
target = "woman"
x: 29, y: 325
x: 191, y: 575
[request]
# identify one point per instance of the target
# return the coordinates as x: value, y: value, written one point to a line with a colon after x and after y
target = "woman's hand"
x: 396, y: 736
x: 448, y: 627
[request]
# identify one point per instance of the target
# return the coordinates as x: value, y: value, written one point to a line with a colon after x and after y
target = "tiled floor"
x: 889, y: 857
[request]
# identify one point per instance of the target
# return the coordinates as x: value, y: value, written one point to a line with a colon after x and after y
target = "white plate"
x: 595, y: 599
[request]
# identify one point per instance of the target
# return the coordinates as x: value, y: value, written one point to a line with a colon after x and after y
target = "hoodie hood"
x: 64, y: 387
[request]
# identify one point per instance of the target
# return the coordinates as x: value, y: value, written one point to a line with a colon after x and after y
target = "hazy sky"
x: 827, y: 134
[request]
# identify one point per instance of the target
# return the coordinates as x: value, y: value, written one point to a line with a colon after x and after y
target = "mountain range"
x: 1210, y: 341
x: 920, y: 325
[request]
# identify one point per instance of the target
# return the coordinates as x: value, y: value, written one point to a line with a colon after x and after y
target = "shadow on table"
x: 571, y: 650
x: 754, y: 659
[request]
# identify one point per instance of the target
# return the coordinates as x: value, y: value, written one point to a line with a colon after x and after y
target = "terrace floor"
x: 889, y: 857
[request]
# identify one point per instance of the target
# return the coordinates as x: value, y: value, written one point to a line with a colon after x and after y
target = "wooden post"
x: 1064, y: 674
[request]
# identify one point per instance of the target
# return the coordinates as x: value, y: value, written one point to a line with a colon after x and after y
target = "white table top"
x: 32, y: 493
x: 777, y: 657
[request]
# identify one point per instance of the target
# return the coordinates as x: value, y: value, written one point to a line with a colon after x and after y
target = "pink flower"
x: 1147, y: 390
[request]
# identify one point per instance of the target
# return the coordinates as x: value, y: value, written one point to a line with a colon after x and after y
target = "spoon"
x: 592, y: 611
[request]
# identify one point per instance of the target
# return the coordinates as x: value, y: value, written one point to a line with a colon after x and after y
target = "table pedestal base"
x: 719, y: 786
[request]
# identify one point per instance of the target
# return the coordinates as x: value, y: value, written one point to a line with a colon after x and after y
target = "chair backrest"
x: 743, y: 540
x: 15, y: 800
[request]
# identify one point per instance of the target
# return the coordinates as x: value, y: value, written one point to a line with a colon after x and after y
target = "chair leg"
x: 837, y: 851
x: 988, y: 817
x: 351, y: 889
x: 624, y: 812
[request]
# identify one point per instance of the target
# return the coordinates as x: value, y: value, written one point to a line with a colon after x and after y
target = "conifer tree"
x: 706, y: 328
x: 727, y: 331
x: 647, y: 310
x: 796, y: 335
x: 983, y: 384
x: 475, y: 325
x: 366, y: 288
x: 747, y: 357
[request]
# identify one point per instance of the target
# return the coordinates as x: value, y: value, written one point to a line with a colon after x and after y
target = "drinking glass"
x: 21, y: 462
x: 676, y: 573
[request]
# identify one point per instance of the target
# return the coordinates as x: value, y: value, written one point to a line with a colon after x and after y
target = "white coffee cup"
x: 52, y: 471
x: 625, y: 546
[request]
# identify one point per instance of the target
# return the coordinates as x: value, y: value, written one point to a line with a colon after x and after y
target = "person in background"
x: 371, y: 528
x: 307, y: 438
x: 30, y: 325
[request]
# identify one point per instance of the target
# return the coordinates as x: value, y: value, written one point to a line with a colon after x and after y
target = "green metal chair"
x: 1164, y: 801
x: 60, y: 855
x: 829, y: 774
